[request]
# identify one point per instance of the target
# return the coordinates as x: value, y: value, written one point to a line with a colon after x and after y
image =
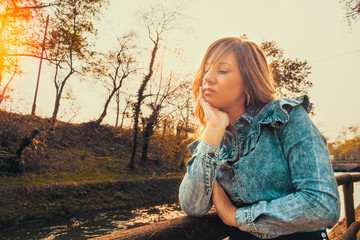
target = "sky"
x: 316, y: 31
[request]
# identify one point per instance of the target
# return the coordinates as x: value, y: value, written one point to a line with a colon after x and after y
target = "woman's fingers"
x: 213, y: 115
x: 202, y: 101
x: 207, y: 107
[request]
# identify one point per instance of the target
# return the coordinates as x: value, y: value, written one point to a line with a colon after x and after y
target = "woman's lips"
x: 208, y: 91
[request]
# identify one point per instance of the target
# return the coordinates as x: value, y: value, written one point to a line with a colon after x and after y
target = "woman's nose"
x: 208, y: 77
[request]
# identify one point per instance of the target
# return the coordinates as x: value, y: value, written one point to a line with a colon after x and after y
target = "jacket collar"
x: 275, y: 112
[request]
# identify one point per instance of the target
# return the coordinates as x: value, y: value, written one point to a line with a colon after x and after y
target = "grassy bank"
x: 81, y: 167
x: 93, y: 172
x: 24, y: 202
x: 30, y: 153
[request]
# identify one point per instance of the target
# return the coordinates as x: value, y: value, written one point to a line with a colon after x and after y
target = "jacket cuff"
x: 243, y: 219
x: 199, y: 146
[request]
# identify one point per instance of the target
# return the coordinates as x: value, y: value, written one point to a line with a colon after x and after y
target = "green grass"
x: 92, y: 169
x: 77, y: 153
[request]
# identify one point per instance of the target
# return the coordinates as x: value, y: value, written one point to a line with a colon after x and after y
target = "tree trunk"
x: 122, y: 118
x: 148, y: 132
x: 118, y: 108
x: 135, y: 135
x: 138, y: 106
x: 57, y: 100
x: 56, y: 110
x: 164, y: 128
x: 103, y: 114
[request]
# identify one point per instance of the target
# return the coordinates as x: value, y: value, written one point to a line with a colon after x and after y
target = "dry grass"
x: 340, y: 228
x: 84, y: 152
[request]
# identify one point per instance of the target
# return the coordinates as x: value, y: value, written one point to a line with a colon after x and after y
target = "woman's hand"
x: 216, y: 122
x: 214, y: 116
x: 224, y: 208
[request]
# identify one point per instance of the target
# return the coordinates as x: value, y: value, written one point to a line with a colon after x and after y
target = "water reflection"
x: 97, y: 224
x: 91, y: 225
x: 155, y: 214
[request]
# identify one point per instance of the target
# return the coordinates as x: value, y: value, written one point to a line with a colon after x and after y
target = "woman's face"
x: 222, y: 84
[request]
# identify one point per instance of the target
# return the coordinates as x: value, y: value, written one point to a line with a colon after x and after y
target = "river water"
x: 90, y: 225
x: 96, y: 224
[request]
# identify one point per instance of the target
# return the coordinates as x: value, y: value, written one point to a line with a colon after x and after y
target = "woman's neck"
x: 233, y: 115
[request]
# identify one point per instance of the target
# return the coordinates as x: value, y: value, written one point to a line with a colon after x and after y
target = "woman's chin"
x: 214, y: 104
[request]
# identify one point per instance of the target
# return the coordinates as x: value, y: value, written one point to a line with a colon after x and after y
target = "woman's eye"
x: 223, y: 71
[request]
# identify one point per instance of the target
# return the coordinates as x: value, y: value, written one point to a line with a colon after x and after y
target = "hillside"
x: 32, y: 154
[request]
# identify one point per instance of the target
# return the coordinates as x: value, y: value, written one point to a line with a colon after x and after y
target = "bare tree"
x: 68, y: 44
x: 157, y: 22
x: 122, y: 69
x: 166, y: 91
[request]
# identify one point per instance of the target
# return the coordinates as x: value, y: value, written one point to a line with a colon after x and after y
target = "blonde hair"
x: 254, y: 70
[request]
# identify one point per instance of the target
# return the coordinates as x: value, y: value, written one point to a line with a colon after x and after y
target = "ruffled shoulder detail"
x: 278, y: 110
x: 273, y: 114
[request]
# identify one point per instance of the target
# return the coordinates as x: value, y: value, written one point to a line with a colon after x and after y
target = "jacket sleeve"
x: 196, y: 187
x: 315, y: 202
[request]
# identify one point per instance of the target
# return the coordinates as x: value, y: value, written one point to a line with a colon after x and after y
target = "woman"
x: 261, y: 161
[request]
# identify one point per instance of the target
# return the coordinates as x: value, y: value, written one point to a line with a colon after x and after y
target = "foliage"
x: 169, y: 150
x: 71, y: 27
x: 15, y: 127
x: 352, y: 8
x: 347, y: 145
x: 32, y: 156
x: 18, y: 37
x: 290, y: 76
x: 338, y: 231
x: 17, y: 132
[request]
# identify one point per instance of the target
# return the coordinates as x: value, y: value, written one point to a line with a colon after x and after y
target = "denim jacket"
x: 283, y: 181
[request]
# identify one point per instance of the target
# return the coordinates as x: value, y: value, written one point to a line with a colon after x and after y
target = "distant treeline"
x: 347, y: 146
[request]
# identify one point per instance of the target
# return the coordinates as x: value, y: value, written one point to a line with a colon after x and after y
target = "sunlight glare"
x: 2, y: 9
